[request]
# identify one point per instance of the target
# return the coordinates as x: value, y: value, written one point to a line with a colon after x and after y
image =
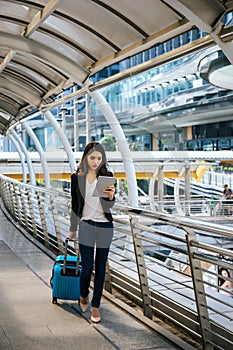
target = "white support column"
x: 187, y: 188
x: 160, y: 187
x: 63, y: 139
x: 152, y: 193
x: 88, y: 120
x: 76, y: 128
x: 29, y: 162
x: 63, y: 116
x: 41, y: 153
x: 179, y: 210
x: 152, y: 189
x: 21, y: 156
x: 121, y: 144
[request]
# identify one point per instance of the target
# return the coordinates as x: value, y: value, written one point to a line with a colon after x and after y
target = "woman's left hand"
x: 110, y: 190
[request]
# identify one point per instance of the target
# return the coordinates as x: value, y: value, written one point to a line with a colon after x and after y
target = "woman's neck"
x: 91, y: 176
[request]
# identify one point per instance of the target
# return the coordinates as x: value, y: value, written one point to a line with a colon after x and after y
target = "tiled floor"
x: 29, y: 321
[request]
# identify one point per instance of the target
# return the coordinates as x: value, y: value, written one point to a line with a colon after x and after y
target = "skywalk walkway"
x: 29, y: 320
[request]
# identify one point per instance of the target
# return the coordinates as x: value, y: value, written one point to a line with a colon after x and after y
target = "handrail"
x: 166, y: 264
x: 177, y: 220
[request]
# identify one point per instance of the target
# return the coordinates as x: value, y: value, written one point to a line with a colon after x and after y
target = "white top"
x: 92, y: 208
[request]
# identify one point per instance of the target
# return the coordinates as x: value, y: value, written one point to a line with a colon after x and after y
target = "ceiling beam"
x: 167, y: 33
x: 6, y: 60
x: 41, y: 17
x: 59, y: 88
x: 8, y: 107
x: 200, y: 44
x: 201, y: 13
x: 19, y: 91
x: 207, y: 16
x: 45, y: 54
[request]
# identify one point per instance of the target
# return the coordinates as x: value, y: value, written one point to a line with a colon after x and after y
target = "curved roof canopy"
x: 47, y: 46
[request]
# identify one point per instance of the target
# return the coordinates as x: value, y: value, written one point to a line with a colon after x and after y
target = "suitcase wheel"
x: 54, y: 301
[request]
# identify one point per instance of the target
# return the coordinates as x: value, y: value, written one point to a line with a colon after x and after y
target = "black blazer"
x: 78, y: 188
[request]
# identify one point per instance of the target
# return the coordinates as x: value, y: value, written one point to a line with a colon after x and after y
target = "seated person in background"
x: 224, y: 282
x: 227, y: 194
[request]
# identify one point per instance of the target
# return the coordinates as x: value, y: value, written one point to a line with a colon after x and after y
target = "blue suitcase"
x: 65, y: 280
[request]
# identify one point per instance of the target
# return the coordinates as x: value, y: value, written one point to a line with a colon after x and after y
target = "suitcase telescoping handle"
x: 65, y: 255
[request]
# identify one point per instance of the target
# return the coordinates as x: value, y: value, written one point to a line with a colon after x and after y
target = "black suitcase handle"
x: 65, y: 255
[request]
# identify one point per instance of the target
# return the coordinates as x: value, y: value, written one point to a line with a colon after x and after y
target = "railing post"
x: 141, y: 267
x: 32, y: 215
x: 108, y: 279
x: 42, y: 218
x: 11, y: 199
x: 7, y: 197
x: 56, y: 225
x: 24, y: 211
x: 199, y: 290
x: 17, y: 205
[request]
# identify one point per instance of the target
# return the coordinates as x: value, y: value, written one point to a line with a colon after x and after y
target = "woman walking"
x: 92, y: 216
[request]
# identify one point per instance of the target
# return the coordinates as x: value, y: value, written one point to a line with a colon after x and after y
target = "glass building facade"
x: 166, y: 108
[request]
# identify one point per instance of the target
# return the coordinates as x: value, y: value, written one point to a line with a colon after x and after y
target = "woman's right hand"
x: 72, y: 235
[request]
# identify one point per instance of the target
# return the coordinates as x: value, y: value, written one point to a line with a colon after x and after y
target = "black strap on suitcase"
x: 64, y: 269
x: 65, y: 256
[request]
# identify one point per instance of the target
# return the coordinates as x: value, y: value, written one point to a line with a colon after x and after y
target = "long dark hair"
x: 83, y: 165
x: 220, y: 279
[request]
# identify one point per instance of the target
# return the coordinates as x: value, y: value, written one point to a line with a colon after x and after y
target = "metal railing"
x: 198, y: 206
x: 217, y: 179
x: 165, y: 265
